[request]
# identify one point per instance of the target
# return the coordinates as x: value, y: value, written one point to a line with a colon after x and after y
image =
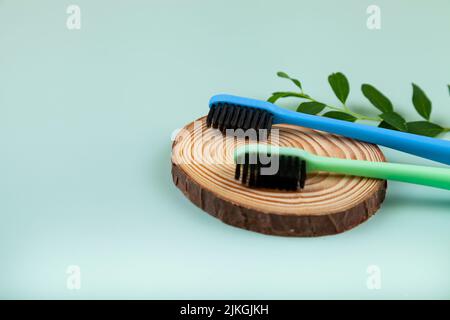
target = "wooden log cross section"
x: 203, y: 169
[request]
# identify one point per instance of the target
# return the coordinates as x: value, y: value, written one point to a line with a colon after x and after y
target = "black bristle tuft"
x: 237, y: 172
x: 290, y: 176
x: 228, y: 116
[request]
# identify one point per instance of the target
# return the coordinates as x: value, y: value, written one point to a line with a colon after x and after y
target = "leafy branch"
x: 387, y: 117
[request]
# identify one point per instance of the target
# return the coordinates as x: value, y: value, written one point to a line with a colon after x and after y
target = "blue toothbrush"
x: 233, y: 112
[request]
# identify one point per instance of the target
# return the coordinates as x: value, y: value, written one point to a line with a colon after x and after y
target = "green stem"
x: 362, y: 117
x: 347, y: 110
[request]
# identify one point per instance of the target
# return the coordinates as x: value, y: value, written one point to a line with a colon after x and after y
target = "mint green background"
x: 85, y: 123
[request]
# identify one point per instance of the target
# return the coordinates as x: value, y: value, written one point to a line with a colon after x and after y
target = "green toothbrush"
x: 256, y: 167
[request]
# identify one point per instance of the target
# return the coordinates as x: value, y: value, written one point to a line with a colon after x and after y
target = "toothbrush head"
x: 260, y: 166
x: 232, y: 112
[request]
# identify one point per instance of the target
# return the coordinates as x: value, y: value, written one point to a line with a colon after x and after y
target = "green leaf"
x: 292, y: 94
x: 286, y: 94
x: 421, y: 102
x: 379, y: 100
x: 385, y: 125
x: 395, y: 120
x: 284, y: 75
x: 340, y: 116
x: 275, y: 96
x: 311, y: 107
x: 424, y: 128
x: 340, y: 86
x: 448, y: 86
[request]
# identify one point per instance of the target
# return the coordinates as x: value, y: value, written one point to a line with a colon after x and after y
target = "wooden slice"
x: 203, y: 169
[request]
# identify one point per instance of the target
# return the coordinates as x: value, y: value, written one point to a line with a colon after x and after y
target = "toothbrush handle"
x: 429, y: 176
x: 426, y: 147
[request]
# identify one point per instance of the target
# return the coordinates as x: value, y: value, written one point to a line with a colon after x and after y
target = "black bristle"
x: 228, y: 116
x: 256, y: 117
x: 237, y: 172
x: 268, y: 123
x: 210, y: 115
x: 241, y: 120
x: 248, y: 119
x: 222, y: 116
x: 227, y: 121
x: 236, y: 115
x: 290, y: 176
x: 245, y: 173
x: 215, y: 118
x: 261, y: 121
x: 252, y: 179
x: 302, y: 174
